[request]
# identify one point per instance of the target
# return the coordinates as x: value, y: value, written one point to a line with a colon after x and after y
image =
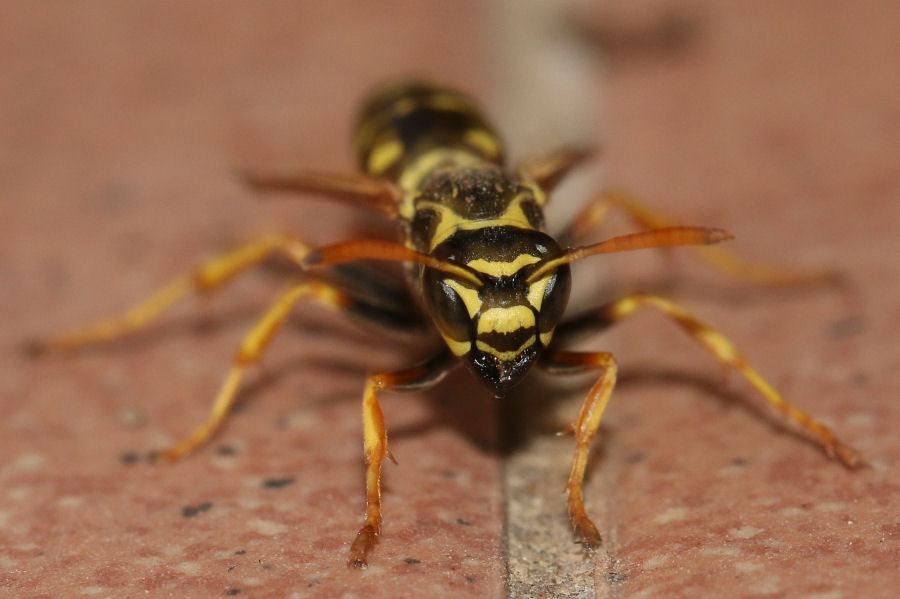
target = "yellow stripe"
x: 505, y: 320
x: 384, y: 155
x: 506, y: 356
x: 539, y: 196
x: 413, y: 174
x: 536, y: 292
x: 484, y: 140
x: 502, y: 269
x: 546, y: 337
x: 459, y: 348
x: 468, y: 295
x: 450, y: 222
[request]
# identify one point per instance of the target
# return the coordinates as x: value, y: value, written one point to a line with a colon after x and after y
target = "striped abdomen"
x: 405, y: 120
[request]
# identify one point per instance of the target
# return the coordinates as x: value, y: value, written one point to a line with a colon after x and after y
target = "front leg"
x: 375, y: 442
x: 584, y: 428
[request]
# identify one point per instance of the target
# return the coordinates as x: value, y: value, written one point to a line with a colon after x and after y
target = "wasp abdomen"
x: 402, y: 121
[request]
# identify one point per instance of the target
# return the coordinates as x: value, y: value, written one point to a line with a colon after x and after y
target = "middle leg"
x: 724, y: 352
x: 254, y: 345
x: 726, y: 262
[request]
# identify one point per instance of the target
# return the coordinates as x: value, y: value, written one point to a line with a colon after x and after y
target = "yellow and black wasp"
x: 480, y: 268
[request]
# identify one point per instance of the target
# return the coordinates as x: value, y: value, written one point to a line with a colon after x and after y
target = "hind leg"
x: 206, y: 278
x: 728, y: 263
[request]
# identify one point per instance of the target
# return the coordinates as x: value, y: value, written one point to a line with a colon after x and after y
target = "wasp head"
x: 498, y: 328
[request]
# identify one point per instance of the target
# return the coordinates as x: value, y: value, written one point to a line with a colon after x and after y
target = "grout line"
x: 541, y: 552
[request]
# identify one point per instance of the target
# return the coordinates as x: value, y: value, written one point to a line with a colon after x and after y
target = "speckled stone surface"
x: 120, y: 126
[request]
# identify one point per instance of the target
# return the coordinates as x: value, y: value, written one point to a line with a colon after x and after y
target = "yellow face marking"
x: 536, y: 292
x: 459, y: 348
x: 505, y: 320
x: 546, y: 337
x: 384, y: 155
x: 502, y: 269
x: 504, y: 355
x: 468, y: 295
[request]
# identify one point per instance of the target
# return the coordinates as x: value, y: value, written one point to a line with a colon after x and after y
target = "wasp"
x: 480, y: 269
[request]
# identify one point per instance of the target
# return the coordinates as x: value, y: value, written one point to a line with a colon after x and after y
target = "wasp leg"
x: 375, y: 437
x: 724, y: 261
x: 255, y: 344
x: 207, y: 277
x: 584, y: 427
x: 360, y: 190
x: 549, y: 169
x: 724, y: 352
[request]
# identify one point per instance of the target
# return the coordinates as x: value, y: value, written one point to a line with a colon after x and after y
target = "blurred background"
x: 121, y: 126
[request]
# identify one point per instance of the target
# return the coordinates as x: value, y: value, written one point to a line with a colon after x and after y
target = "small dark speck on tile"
x: 277, y: 483
x: 116, y: 197
x: 412, y: 561
x: 636, y: 458
x: 448, y: 474
x: 740, y: 462
x: 232, y: 592
x: 463, y: 522
x: 226, y: 450
x: 845, y: 327
x: 189, y: 511
x: 240, y: 552
x: 616, y: 577
x: 129, y: 458
x: 230, y: 568
x: 470, y: 580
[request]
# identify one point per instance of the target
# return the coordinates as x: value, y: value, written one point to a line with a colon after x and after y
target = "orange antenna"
x: 376, y: 249
x: 667, y: 236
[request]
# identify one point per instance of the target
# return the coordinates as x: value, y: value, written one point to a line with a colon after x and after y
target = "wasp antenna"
x: 664, y: 237
x: 377, y: 249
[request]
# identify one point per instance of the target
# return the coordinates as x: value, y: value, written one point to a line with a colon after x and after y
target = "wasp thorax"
x: 498, y: 328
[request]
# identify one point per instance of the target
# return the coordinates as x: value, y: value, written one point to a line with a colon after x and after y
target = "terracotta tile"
x: 121, y: 128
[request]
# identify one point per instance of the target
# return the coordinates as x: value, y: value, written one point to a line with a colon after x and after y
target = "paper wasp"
x: 480, y: 268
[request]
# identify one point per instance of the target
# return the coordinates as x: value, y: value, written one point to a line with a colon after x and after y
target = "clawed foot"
x: 364, y: 542
x: 171, y: 454
x: 846, y: 455
x: 584, y: 527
